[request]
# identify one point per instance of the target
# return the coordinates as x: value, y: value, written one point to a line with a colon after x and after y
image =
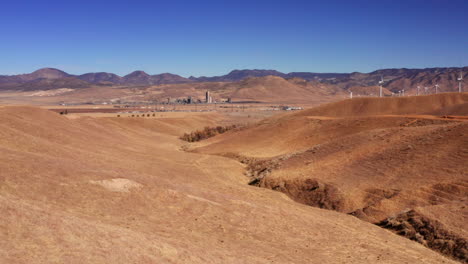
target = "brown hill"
x: 374, y: 158
x: 405, y: 79
x: 120, y: 190
x: 137, y: 78
x: 45, y: 73
x: 239, y: 75
x: 48, y: 84
x: 368, y: 91
x: 445, y: 78
x: 142, y: 78
x: 100, y: 77
x: 268, y: 89
x: 378, y: 174
x: 300, y: 131
x: 440, y: 104
x: 35, y: 80
x: 277, y: 89
x: 166, y: 78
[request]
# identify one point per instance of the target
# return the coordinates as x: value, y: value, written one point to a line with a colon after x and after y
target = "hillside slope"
x: 380, y: 160
x: 437, y: 104
x: 120, y: 190
x: 277, y: 89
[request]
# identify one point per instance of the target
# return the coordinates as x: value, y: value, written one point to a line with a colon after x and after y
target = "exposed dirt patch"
x: 118, y: 185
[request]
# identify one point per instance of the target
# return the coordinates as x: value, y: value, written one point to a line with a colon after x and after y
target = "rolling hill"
x: 101, y: 77
x: 122, y: 190
x: 45, y: 73
x: 389, y: 161
x: 49, y: 84
x: 277, y: 89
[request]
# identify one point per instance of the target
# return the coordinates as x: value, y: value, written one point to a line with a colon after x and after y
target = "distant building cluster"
x: 191, y: 100
x: 291, y: 108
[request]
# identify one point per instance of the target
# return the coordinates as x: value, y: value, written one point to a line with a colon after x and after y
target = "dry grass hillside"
x: 277, y: 89
x: 121, y: 190
x: 368, y: 91
x: 386, y: 161
x: 437, y: 104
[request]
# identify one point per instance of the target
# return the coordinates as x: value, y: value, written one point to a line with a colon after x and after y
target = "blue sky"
x: 214, y: 37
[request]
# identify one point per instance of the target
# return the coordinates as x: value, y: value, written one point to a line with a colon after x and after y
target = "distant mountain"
x: 395, y: 79
x: 142, y: 78
x: 45, y: 73
x: 137, y: 78
x: 311, y: 76
x: 100, y: 77
x: 238, y: 75
x: 42, y: 79
x: 407, y: 79
x: 168, y: 78
x: 48, y: 84
x: 446, y: 78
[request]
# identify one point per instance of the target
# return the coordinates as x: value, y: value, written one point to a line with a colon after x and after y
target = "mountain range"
x: 395, y: 79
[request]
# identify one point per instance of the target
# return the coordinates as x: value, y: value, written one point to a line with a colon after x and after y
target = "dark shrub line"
x: 207, y: 132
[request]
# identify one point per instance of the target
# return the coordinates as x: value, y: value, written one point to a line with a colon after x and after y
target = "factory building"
x: 208, y: 98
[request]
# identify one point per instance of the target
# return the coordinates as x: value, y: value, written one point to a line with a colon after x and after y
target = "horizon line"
x: 245, y: 69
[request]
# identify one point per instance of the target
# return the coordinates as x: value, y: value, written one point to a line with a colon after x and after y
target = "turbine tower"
x: 460, y: 80
x: 437, y: 88
x: 419, y: 87
x: 381, y: 82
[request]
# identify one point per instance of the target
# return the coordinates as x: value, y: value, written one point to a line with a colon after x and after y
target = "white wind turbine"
x: 381, y: 82
x: 460, y: 80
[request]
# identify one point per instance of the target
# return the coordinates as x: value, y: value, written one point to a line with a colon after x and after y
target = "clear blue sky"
x: 213, y: 37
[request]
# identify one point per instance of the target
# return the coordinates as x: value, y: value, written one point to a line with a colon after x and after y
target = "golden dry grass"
x: 182, y: 207
x: 372, y: 158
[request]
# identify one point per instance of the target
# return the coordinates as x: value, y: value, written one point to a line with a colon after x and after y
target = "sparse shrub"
x: 207, y: 132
